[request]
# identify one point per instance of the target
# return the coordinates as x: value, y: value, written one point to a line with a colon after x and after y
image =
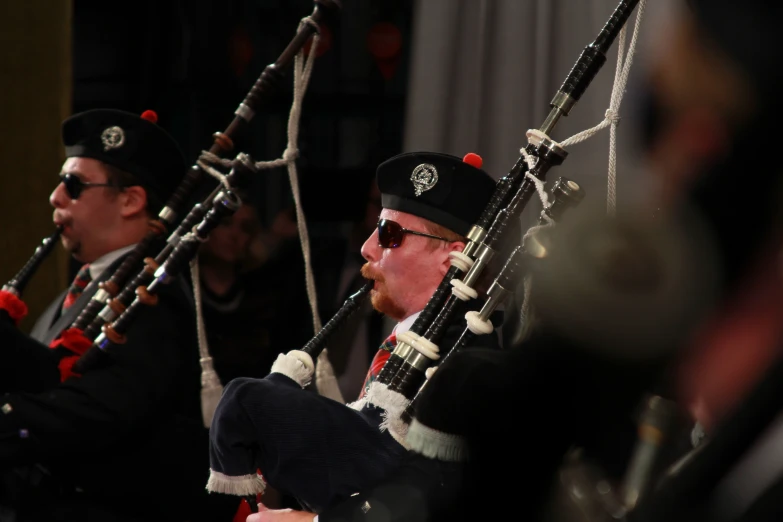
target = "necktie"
x: 81, y: 280
x: 378, y: 362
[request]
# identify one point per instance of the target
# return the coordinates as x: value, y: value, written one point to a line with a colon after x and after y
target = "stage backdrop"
x: 35, y: 82
x: 484, y: 71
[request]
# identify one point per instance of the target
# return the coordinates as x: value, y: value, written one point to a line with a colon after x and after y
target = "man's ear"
x: 457, y: 246
x: 133, y: 201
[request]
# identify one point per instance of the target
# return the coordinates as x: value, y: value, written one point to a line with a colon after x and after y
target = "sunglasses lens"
x: 73, y: 185
x: 389, y: 234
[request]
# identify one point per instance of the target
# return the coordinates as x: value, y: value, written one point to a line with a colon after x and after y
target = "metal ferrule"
x: 475, y: 237
x: 167, y: 215
x: 245, y: 112
x: 564, y: 102
x: 11, y: 290
x: 483, y: 255
x: 173, y: 238
x: 227, y: 199
x: 222, y: 197
x: 418, y: 360
x: 495, y: 295
x: 551, y: 120
x: 107, y: 314
x: 101, y: 296
x: 403, y: 349
x: 161, y: 277
x: 101, y: 341
x: 561, y: 105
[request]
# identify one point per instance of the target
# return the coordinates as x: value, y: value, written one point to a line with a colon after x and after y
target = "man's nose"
x: 59, y: 197
x: 371, y: 248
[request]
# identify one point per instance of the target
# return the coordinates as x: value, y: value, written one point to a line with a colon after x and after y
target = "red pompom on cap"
x: 473, y: 160
x: 150, y: 116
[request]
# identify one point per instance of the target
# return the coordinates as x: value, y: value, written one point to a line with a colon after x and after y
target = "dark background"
x: 193, y: 62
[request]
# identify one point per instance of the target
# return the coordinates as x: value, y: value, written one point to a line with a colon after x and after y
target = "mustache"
x: 58, y: 217
x: 369, y: 273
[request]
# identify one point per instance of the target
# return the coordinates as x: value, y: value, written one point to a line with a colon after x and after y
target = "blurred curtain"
x: 484, y: 71
x: 35, y: 79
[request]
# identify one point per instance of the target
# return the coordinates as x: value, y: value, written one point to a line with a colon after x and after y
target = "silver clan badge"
x: 424, y: 177
x: 113, y: 138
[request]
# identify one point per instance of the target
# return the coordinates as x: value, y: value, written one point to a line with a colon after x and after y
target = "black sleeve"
x: 26, y: 364
x: 111, y: 403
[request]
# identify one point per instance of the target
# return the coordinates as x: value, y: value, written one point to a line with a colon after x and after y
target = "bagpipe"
x: 417, y: 350
x: 11, y: 305
x: 28, y: 363
x: 564, y: 194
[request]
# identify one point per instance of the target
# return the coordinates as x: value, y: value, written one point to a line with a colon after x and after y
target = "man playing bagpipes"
x: 271, y: 430
x: 80, y: 447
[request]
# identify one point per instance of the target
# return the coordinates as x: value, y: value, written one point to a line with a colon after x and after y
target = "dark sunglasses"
x: 74, y: 185
x: 390, y: 234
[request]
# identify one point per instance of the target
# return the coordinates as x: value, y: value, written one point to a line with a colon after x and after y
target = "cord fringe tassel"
x: 243, y: 485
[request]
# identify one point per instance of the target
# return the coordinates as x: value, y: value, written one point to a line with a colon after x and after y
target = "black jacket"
x: 123, y: 442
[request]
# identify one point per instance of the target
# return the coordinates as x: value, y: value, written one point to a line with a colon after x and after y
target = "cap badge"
x: 113, y: 138
x: 424, y: 177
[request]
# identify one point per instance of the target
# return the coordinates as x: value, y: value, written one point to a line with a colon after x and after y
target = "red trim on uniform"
x: 74, y: 341
x: 66, y: 367
x: 15, y: 307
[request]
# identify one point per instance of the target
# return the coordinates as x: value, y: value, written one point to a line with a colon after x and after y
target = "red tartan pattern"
x: 378, y: 362
x: 81, y: 280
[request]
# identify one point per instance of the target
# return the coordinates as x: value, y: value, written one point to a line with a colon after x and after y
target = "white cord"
x: 611, y: 119
x: 529, y: 158
x: 213, y: 159
x: 543, y: 196
x: 612, y: 115
x: 326, y: 381
x: 302, y: 71
x: 211, y: 387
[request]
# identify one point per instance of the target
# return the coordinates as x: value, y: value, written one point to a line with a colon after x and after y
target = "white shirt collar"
x: 405, y: 325
x: 102, y: 263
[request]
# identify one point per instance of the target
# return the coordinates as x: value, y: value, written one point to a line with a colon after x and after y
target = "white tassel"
x: 243, y: 485
x: 435, y: 444
x: 398, y: 433
x: 392, y: 402
x: 211, y: 392
x: 396, y: 426
x: 211, y: 388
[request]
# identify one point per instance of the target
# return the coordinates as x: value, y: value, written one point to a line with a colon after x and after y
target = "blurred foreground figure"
x: 719, y: 99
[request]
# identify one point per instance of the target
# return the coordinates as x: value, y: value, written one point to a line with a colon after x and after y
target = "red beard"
x: 380, y: 299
